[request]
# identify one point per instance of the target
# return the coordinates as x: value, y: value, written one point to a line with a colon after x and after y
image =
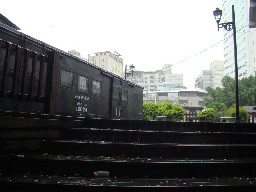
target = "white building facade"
x: 111, y: 62
x: 211, y: 78
x: 246, y: 39
x: 159, y: 80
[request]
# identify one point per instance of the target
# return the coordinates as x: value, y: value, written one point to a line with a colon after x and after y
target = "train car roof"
x: 49, y: 47
x: 4, y: 20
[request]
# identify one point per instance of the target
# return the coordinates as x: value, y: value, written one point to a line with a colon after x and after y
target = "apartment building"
x: 212, y: 77
x: 111, y: 62
x: 159, y: 80
x: 192, y: 100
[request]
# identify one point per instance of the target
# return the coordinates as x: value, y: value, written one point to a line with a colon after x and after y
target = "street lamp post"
x: 229, y: 26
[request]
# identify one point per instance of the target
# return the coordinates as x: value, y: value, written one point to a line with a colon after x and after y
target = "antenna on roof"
x: 117, y: 54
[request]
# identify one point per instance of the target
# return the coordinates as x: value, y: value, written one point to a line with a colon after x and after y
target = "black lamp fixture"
x: 217, y: 14
x: 230, y: 26
x: 130, y: 72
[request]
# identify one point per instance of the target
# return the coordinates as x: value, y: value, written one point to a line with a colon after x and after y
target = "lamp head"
x: 132, y: 67
x: 217, y: 14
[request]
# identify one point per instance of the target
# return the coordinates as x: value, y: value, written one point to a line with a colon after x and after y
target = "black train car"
x: 38, y: 78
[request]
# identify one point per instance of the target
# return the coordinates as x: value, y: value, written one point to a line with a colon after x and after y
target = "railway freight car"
x: 38, y: 78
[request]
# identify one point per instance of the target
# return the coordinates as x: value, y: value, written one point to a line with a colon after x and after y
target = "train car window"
x: 96, y: 87
x: 12, y: 61
x: 124, y: 94
x: 44, y: 79
x: 66, y: 78
x: 29, y: 71
x: 36, y: 77
x: 2, y: 56
x: 116, y: 91
x: 82, y: 83
x: 135, y: 98
x: 29, y: 67
x: 11, y: 71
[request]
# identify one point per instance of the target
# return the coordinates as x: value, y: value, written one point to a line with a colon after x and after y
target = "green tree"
x: 150, y: 110
x: 243, y: 113
x: 208, y: 114
x: 219, y: 108
x: 226, y: 95
x: 172, y: 111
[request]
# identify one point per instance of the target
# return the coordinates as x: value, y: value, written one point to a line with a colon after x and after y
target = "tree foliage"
x: 208, y: 114
x: 226, y: 95
x: 243, y: 114
x: 222, y: 100
x: 172, y: 111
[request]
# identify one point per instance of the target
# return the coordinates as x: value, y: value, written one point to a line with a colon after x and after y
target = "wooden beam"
x: 6, y: 67
x: 24, y: 73
x: 16, y: 72
x: 41, y: 73
x: 52, y: 82
x: 32, y: 79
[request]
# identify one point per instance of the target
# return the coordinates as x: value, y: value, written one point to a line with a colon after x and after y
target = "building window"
x: 102, y: 60
x: 66, y: 78
x: 82, y: 83
x: 96, y: 87
x: 2, y: 56
x: 201, y: 103
x: 183, y: 102
x: 162, y: 94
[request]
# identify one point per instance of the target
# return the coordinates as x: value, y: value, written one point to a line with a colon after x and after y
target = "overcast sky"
x: 147, y: 33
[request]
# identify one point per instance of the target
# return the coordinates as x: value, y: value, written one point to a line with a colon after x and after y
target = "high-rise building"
x: 211, y: 78
x: 246, y: 39
x: 74, y: 52
x: 217, y: 70
x: 111, y: 62
x: 159, y: 80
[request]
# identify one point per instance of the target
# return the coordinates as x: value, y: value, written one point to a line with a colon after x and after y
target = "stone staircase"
x: 120, y: 155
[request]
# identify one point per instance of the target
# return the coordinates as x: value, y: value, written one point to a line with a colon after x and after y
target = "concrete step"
x: 158, y: 136
x: 147, y: 150
x: 126, y: 167
x: 53, y: 183
x: 19, y: 146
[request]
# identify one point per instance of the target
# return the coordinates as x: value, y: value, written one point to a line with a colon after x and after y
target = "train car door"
x: 116, y: 108
x: 119, y: 103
